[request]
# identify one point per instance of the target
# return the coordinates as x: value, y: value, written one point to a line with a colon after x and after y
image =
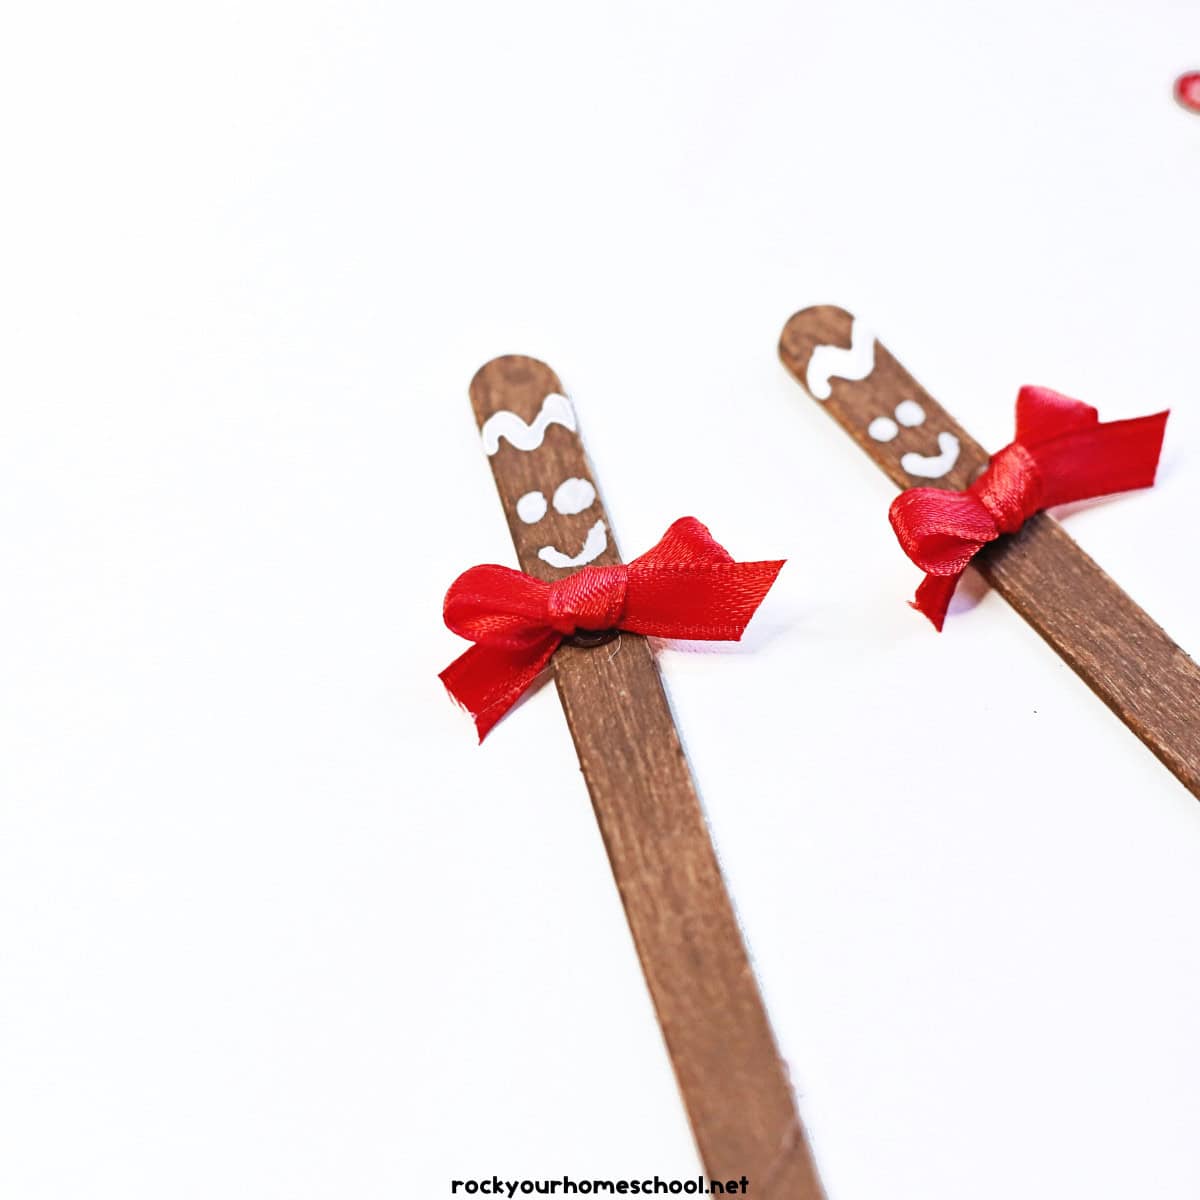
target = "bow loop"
x: 687, y: 543
x: 1043, y: 413
x: 497, y: 606
x: 1062, y: 453
x: 941, y: 531
x: 687, y: 586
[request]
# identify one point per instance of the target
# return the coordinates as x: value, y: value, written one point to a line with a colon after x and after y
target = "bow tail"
x: 933, y: 597
x: 689, y: 586
x: 488, y: 680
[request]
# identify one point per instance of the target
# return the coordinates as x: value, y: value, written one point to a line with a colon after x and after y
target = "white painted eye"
x: 883, y: 429
x: 573, y: 496
x: 910, y: 413
x: 531, y: 507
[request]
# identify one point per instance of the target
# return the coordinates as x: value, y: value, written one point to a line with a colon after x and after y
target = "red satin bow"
x: 1062, y: 453
x: 688, y: 586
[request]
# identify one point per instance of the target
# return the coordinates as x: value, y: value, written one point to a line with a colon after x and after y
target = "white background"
x: 271, y: 925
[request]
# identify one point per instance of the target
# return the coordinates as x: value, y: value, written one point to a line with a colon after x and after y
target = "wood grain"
x: 734, y: 1085
x: 1111, y: 643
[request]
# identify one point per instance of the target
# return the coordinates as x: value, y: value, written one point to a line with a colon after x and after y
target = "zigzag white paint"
x: 556, y: 410
x: 853, y: 364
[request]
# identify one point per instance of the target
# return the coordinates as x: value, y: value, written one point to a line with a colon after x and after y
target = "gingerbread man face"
x: 855, y: 378
x: 572, y: 496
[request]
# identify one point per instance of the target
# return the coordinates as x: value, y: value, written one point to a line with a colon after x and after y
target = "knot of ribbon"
x: 1062, y: 453
x: 593, y: 598
x: 687, y: 586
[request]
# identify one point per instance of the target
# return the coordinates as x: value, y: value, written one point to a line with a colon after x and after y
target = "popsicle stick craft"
x: 565, y: 609
x: 961, y: 506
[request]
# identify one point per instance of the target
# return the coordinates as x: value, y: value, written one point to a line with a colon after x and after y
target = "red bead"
x: 1187, y: 91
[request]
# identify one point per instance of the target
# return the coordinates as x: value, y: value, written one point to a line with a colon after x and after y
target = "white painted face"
x: 855, y: 364
x: 570, y: 497
x: 922, y: 466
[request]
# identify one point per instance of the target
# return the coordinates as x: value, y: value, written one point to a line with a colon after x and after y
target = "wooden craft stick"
x: 1111, y: 643
x: 734, y: 1084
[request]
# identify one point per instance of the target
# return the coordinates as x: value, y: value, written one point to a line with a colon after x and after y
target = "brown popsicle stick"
x: 1111, y: 643
x: 734, y: 1085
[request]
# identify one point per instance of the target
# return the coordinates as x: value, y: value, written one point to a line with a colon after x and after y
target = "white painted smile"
x: 933, y: 466
x: 594, y: 545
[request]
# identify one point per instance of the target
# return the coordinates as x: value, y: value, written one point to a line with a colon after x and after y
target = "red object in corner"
x: 1187, y: 91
